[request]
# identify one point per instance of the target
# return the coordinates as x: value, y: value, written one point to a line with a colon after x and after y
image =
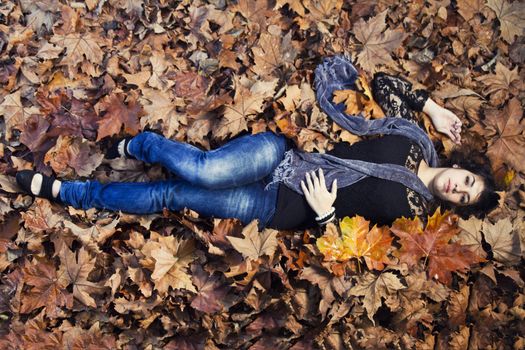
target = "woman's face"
x: 458, y: 186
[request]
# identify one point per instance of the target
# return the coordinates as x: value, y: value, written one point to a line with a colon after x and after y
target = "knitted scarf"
x: 337, y: 73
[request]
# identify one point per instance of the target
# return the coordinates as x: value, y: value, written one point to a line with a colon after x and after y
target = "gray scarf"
x: 337, y: 73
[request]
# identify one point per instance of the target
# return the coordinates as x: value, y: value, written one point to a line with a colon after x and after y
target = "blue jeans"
x: 226, y: 182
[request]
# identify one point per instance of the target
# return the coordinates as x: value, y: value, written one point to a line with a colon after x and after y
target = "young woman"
x: 264, y: 177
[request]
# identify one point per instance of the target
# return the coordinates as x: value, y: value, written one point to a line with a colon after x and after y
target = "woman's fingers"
x: 305, y: 190
x: 309, y: 182
x: 322, y: 182
x: 334, y: 188
x: 315, y: 180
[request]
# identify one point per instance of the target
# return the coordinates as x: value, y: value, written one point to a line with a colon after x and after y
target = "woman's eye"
x: 464, y: 199
x: 466, y: 180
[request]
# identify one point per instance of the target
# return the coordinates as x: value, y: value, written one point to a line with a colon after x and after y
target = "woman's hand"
x: 316, y: 193
x: 444, y: 120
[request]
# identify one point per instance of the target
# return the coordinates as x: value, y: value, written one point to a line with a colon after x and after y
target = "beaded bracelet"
x: 324, y: 216
x: 326, y: 221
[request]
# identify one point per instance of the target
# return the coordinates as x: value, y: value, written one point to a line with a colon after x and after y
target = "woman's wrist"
x: 431, y: 108
x: 326, y: 216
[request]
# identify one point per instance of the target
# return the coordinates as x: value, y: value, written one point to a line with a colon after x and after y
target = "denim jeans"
x: 224, y: 183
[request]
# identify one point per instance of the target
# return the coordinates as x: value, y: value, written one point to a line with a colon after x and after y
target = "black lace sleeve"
x: 396, y: 97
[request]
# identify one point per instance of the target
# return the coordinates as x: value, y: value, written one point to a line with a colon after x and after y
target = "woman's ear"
x: 455, y: 166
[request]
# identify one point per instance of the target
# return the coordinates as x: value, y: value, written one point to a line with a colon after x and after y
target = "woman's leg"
x: 240, y: 161
x: 246, y: 202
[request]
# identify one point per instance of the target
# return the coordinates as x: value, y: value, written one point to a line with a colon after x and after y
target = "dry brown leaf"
x: 118, y: 114
x: 504, y: 240
x: 500, y: 84
x: 378, y: 42
x: 255, y: 244
x: 14, y: 113
x: 373, y: 288
x: 511, y: 18
x: 469, y: 8
x: 73, y: 155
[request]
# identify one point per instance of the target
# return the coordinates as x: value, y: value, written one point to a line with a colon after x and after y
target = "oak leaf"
x: 255, y: 244
x: 76, y: 267
x: 373, y: 288
x: 378, y: 42
x: 432, y: 243
x: 118, y: 114
x: 48, y: 288
x: 507, y: 139
x: 511, y: 18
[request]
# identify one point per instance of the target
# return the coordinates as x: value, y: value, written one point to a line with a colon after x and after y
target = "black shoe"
x: 24, y: 179
x: 113, y: 151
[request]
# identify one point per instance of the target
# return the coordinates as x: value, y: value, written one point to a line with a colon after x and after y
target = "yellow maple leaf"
x: 359, y: 100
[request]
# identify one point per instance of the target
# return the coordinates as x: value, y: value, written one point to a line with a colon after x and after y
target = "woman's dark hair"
x: 479, y: 164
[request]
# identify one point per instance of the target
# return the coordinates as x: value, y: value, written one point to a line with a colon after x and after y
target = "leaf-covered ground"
x: 76, y: 76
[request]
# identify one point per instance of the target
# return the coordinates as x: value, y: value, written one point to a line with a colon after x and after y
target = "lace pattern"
x: 415, y: 201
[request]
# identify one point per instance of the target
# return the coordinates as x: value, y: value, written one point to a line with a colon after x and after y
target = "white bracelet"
x: 326, y: 221
x: 325, y: 215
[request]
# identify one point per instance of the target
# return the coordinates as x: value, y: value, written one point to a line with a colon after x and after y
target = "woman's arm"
x: 444, y: 120
x: 319, y: 198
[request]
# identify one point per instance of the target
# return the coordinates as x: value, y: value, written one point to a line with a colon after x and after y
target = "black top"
x: 380, y: 201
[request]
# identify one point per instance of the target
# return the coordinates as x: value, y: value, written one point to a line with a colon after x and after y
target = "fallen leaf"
x: 118, y: 114
x: 255, y: 244
x: 373, y: 288
x: 378, y: 42
x: 503, y: 240
x: 511, y: 18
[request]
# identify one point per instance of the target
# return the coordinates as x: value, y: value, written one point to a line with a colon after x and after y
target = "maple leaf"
x: 432, y: 243
x: 93, y: 236
x: 511, y: 18
x: 78, y: 46
x: 357, y: 241
x: 40, y: 216
x: 14, y: 112
x: 359, y: 101
x: 501, y: 84
x: 377, y: 42
x: 211, y: 291
x: 503, y: 240
x: 159, y: 65
x: 255, y: 11
x: 160, y: 107
x: 49, y: 288
x: 373, y: 288
x: 118, y: 114
x: 247, y: 102
x: 327, y: 283
x: 41, y: 14
x: 471, y: 235
x: 171, y: 258
x: 71, y: 155
x: 255, y: 244
x: 76, y: 338
x: 507, y: 140
x: 321, y: 12
x: 272, y: 51
x: 76, y: 268
x: 469, y: 8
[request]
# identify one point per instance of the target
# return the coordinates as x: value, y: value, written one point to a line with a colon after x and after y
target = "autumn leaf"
x: 41, y: 216
x: 255, y: 244
x: 78, y: 46
x: 432, y: 243
x: 357, y: 241
x: 48, y: 288
x: 95, y: 235
x: 503, y: 239
x: 511, y: 18
x: 273, y: 50
x: 247, y: 102
x: 378, y: 42
x: 161, y: 108
x: 373, y: 288
x: 171, y: 258
x: 469, y: 8
x: 502, y: 83
x: 14, y: 113
x: 361, y: 100
x: 118, y: 114
x: 471, y: 235
x: 73, y: 155
x: 507, y: 139
x: 211, y: 291
x: 76, y: 267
